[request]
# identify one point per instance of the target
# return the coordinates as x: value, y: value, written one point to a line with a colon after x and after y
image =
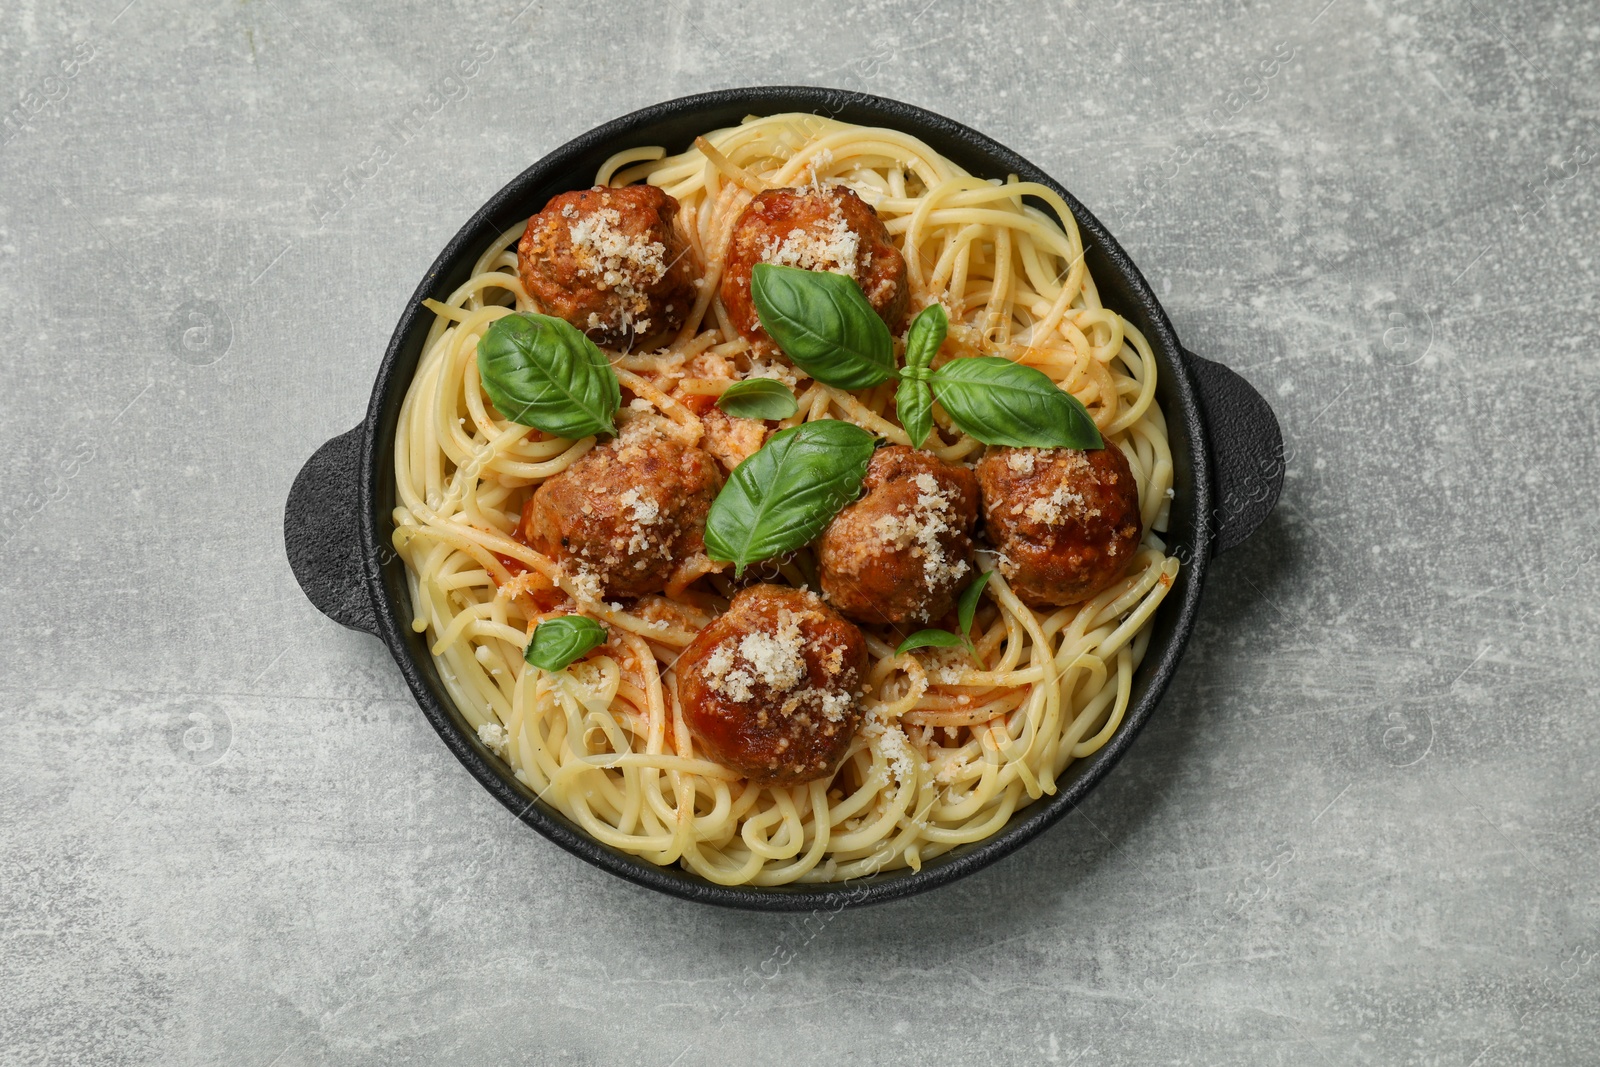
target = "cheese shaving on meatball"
x: 585, y: 582
x: 644, y: 510
x: 930, y: 495
x: 623, y: 262
x: 832, y: 249
x: 1064, y: 502
x: 643, y: 513
x: 776, y: 660
x: 836, y: 705
x: 1021, y: 461
x: 717, y: 666
x: 1054, y: 509
x: 928, y: 521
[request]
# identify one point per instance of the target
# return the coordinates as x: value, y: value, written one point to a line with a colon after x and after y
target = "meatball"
x: 829, y: 229
x: 901, y: 553
x: 1065, y: 522
x: 770, y: 688
x: 609, y: 262
x: 627, y: 515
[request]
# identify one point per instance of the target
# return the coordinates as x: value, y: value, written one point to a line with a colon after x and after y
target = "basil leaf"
x: 967, y: 606
x: 758, y: 398
x: 912, y: 400
x: 914, y: 404
x: 558, y: 641
x: 823, y: 322
x: 927, y: 333
x: 929, y: 639
x: 783, y: 495
x: 540, y: 371
x: 1004, y: 403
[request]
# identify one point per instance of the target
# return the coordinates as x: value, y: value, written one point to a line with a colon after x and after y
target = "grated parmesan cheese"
x: 775, y: 371
x: 585, y: 583
x: 835, y: 706
x: 494, y: 737
x: 945, y: 668
x: 776, y: 660
x: 625, y: 263
x: 900, y: 755
x: 1064, y: 504
x: 928, y: 521
x: 643, y: 513
x: 822, y: 159
x: 1055, y: 509
x: 888, y: 739
x: 833, y: 246
x: 645, y: 510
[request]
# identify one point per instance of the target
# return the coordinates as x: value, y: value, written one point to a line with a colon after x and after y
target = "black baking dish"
x: 1227, y: 456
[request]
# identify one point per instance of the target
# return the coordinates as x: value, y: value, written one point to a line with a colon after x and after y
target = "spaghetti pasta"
x: 954, y: 742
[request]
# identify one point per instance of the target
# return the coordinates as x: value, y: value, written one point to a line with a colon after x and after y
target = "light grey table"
x: 1361, y: 829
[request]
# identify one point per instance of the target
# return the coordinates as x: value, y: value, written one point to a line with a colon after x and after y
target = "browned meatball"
x: 901, y: 553
x: 770, y: 688
x: 609, y: 262
x: 1065, y: 522
x: 830, y: 229
x: 627, y: 514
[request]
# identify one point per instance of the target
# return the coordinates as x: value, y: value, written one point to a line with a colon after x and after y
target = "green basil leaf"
x: 912, y: 400
x: 558, y: 641
x: 929, y: 639
x: 758, y: 398
x: 540, y: 371
x: 927, y: 333
x: 1004, y: 403
x: 823, y: 322
x: 783, y: 495
x: 967, y: 606
x: 914, y: 404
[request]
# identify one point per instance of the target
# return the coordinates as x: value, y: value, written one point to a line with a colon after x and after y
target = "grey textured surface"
x: 1361, y: 830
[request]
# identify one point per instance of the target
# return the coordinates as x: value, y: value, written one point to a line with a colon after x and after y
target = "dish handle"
x: 1246, y: 451
x: 322, y: 534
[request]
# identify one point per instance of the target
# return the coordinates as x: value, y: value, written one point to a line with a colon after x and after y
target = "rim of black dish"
x: 565, y: 168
